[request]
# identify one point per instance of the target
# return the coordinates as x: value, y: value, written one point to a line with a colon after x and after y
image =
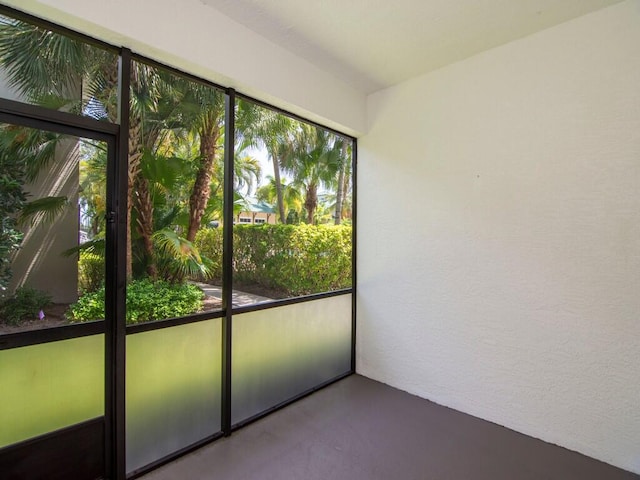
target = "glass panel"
x: 50, y: 386
x: 292, y: 233
x: 40, y: 67
x: 282, y: 352
x: 52, y: 205
x: 175, y: 193
x: 173, y: 389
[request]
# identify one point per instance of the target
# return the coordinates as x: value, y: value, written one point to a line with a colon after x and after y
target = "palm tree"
x: 153, y: 104
x: 202, y: 112
x: 199, y: 113
x: 162, y: 106
x: 343, y: 181
x: 313, y: 161
x: 273, y: 131
x: 165, y: 109
x: 84, y: 83
x: 291, y: 196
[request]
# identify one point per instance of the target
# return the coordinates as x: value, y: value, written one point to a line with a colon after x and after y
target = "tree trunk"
x: 146, y: 141
x: 135, y: 154
x: 311, y: 202
x: 110, y: 74
x: 144, y: 201
x: 340, y: 192
x: 280, y: 200
x: 345, y: 192
x: 201, y: 192
x: 144, y: 207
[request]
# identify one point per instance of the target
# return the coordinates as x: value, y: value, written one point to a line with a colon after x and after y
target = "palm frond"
x: 184, y: 256
x: 95, y: 246
x: 35, y: 148
x: 43, y: 209
x: 30, y: 56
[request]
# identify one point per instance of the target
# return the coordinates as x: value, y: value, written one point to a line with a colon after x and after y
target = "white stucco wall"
x: 39, y: 262
x: 499, y: 236
x: 198, y: 39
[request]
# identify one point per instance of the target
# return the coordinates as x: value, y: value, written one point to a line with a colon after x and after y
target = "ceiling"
x: 373, y: 44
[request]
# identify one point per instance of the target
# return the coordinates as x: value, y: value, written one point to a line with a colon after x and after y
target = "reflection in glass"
x: 282, y: 352
x: 52, y: 204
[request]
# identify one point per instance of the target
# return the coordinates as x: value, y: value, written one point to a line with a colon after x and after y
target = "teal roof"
x: 260, y: 207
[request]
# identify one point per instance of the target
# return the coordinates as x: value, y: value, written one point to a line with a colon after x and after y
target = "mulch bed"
x: 261, y: 290
x: 54, y: 317
x: 54, y: 313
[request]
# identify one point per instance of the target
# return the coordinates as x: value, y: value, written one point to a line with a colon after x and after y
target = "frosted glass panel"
x: 50, y: 386
x: 281, y: 352
x: 173, y: 389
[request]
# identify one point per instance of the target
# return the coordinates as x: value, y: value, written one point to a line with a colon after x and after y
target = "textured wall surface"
x: 499, y: 236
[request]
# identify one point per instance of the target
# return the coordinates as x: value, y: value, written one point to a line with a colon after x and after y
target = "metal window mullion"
x: 227, y: 258
x: 116, y: 284
x: 354, y: 248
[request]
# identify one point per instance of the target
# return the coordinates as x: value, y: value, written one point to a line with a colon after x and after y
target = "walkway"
x: 240, y: 299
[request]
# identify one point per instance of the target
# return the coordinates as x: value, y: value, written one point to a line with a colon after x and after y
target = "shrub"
x: 294, y: 259
x: 10, y: 239
x: 90, y: 272
x: 146, y: 301
x: 26, y: 302
x: 208, y: 241
x: 12, y: 199
x: 318, y: 259
x: 90, y: 306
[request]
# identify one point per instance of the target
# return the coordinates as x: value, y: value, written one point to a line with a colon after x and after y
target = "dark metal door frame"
x: 113, y: 327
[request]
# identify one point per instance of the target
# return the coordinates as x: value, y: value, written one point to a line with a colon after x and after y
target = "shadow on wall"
x: 39, y: 263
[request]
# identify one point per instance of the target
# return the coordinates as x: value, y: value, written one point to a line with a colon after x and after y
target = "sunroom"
x: 216, y: 211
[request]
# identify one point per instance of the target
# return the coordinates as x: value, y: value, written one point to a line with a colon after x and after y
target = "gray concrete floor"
x: 361, y: 429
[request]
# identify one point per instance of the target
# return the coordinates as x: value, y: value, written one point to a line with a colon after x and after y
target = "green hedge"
x: 146, y: 301
x: 294, y: 259
x: 208, y: 241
